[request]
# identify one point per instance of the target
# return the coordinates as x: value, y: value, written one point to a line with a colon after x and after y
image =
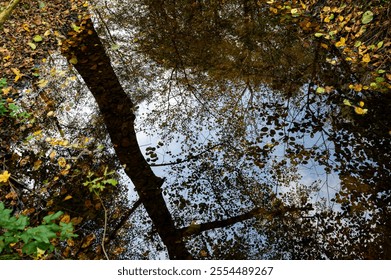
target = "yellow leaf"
x: 4, y: 177
x: 366, y: 58
x: 62, y: 162
x: 6, y: 90
x: 17, y: 73
x: 357, y: 87
x: 37, y: 164
x: 360, y: 111
x: 40, y: 253
x: 347, y: 102
x: 38, y: 132
x: 324, y: 46
x: 294, y: 11
x: 341, y: 42
x: 73, y: 60
x: 67, y: 197
x: 66, y: 219
x: 64, y: 172
x: 42, y: 83
x: 52, y: 154
x: 361, y: 104
x: 26, y: 27
x: 50, y: 203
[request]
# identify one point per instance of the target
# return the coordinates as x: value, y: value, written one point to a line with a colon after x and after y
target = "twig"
x: 104, y: 229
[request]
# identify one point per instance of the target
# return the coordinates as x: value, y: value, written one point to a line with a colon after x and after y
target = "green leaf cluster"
x: 11, y: 109
x: 15, y: 230
x: 98, y: 184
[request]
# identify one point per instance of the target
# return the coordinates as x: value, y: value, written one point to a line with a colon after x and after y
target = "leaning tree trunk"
x: 7, y: 11
x: 115, y: 105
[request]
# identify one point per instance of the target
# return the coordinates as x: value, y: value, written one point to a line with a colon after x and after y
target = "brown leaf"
x: 88, y: 240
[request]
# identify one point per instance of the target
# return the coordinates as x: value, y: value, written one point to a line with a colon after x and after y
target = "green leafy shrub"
x: 33, y: 241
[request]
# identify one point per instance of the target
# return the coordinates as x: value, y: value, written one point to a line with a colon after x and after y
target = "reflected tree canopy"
x: 255, y: 138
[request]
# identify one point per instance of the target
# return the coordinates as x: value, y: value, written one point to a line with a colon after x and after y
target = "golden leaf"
x: 357, y: 87
x: 73, y: 60
x: 50, y: 203
x: 17, y: 73
x: 62, y: 162
x: 37, y: 164
x: 68, y: 197
x: 52, y: 154
x: 42, y: 83
x: 65, y: 219
x: 366, y: 58
x: 4, y: 176
x: 341, y: 42
x: 6, y: 90
x: 12, y: 195
x: 70, y: 243
x: 360, y: 111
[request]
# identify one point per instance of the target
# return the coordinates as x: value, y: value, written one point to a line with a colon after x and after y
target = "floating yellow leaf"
x: 6, y: 90
x: 17, y: 73
x: 360, y: 111
x: 357, y: 87
x: 40, y: 253
x: 66, y: 218
x: 323, y: 45
x: 366, y: 58
x: 49, y: 203
x: 347, y: 102
x: 73, y: 60
x: 341, y: 42
x: 26, y: 27
x: 4, y: 176
x: 42, y: 83
x: 320, y: 90
x: 62, y: 162
x: 294, y: 11
x: 361, y: 104
x: 32, y: 45
x: 37, y: 164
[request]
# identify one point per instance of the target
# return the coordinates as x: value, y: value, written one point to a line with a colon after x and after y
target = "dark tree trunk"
x: 115, y: 105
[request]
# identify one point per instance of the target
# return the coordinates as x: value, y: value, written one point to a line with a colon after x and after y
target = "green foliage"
x: 98, y: 184
x: 11, y: 109
x: 16, y: 231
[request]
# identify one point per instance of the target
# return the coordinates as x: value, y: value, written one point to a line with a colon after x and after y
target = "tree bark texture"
x: 5, y: 14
